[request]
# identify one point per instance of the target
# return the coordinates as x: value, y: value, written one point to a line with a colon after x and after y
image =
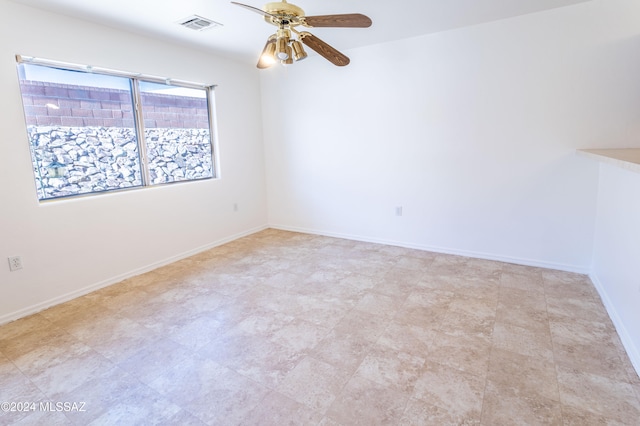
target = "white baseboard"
x: 116, y: 279
x: 444, y: 250
x: 632, y: 351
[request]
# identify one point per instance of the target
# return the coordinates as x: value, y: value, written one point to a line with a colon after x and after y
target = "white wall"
x: 472, y: 131
x: 69, y: 246
x: 616, y: 256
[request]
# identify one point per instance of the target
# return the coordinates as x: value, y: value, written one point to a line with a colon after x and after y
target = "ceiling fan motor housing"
x: 282, y: 8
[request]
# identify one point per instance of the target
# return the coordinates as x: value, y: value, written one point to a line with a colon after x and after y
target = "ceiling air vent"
x: 198, y: 23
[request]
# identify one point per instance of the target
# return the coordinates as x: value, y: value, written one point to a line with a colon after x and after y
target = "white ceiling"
x: 244, y: 33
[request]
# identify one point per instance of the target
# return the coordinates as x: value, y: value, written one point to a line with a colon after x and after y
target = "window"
x: 87, y: 136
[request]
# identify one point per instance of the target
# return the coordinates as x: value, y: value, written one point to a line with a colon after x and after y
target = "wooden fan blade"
x: 254, y: 9
x: 349, y: 20
x: 326, y: 51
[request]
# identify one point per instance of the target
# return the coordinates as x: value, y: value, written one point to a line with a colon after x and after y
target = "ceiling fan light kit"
x: 298, y: 51
x: 283, y: 47
x: 268, y: 56
x: 282, y: 44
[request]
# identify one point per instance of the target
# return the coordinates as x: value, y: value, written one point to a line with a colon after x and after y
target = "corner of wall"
x: 632, y: 351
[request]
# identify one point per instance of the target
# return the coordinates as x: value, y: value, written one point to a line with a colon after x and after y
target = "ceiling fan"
x: 284, y: 47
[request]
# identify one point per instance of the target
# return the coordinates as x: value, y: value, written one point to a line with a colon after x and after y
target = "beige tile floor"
x: 282, y: 328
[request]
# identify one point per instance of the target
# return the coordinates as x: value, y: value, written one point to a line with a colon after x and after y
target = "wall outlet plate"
x: 15, y: 263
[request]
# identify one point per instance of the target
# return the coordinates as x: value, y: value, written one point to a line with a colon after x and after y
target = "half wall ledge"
x: 627, y: 158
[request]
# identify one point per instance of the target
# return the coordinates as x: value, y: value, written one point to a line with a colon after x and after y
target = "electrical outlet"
x: 399, y: 211
x: 15, y: 263
x: 235, y: 207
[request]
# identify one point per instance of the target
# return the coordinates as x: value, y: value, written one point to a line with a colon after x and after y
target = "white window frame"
x: 134, y: 79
